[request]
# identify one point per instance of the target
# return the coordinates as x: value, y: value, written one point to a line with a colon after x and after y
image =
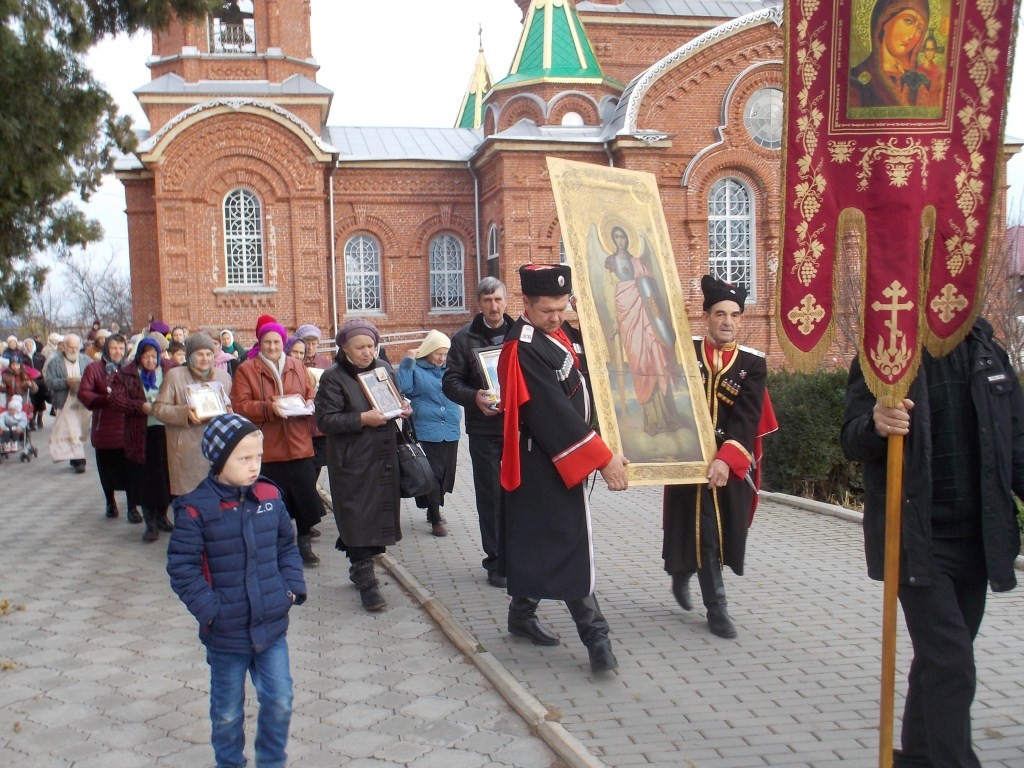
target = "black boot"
x: 523, y: 622
x: 593, y: 630
x: 681, y: 590
x: 163, y: 522
x: 306, y: 551
x: 712, y: 588
x: 112, y: 509
x: 152, y: 532
x: 361, y: 574
x: 133, y: 516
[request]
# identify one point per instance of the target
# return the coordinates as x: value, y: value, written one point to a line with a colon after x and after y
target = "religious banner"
x: 648, y: 393
x: 894, y: 129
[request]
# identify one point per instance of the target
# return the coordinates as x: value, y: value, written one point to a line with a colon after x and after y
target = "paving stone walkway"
x: 106, y: 669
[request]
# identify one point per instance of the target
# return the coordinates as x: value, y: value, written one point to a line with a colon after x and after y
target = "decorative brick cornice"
x: 151, y: 146
x: 643, y: 84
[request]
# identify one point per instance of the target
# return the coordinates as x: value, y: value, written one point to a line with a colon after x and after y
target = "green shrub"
x: 804, y: 457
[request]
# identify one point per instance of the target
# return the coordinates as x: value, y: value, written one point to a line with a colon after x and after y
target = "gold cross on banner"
x: 806, y: 315
x: 948, y: 303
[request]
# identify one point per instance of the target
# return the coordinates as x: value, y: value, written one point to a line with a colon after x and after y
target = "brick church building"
x: 242, y: 201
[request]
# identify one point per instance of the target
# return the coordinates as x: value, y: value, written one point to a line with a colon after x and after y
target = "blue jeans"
x: 273, y: 681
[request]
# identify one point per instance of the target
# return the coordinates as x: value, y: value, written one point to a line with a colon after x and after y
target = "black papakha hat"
x: 545, y: 279
x: 717, y: 290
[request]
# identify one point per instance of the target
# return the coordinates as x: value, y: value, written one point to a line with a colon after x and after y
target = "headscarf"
x: 109, y: 365
x: 148, y: 377
x: 434, y: 341
x: 292, y: 341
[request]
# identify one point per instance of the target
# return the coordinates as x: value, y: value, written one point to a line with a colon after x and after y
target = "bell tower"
x: 242, y: 48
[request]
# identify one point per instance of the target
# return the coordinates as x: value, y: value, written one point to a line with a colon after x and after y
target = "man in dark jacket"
x: 964, y: 455
x: 464, y: 383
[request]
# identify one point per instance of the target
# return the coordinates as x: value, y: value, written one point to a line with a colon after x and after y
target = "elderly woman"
x: 12, y: 349
x: 437, y: 420
x: 35, y: 359
x: 227, y: 344
x: 260, y: 384
x: 134, y: 391
x: 362, y: 458
x: 186, y: 465
x: 107, y: 431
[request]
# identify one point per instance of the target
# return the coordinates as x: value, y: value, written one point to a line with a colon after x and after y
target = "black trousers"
x: 297, y: 479
x: 943, y: 620
x: 485, y: 452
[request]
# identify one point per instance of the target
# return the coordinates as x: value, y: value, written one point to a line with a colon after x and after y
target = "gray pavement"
x: 102, y: 667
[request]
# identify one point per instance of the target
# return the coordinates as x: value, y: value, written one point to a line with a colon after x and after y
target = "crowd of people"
x: 197, y: 421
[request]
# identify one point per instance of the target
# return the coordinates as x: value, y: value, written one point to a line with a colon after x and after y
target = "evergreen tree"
x: 59, y: 129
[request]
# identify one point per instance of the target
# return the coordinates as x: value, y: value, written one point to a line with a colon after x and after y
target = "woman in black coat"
x: 362, y: 458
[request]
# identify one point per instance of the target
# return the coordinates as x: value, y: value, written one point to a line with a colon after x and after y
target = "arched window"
x: 731, y: 234
x: 243, y: 238
x: 232, y: 28
x: 447, y: 271
x: 492, y: 251
x: 362, y: 275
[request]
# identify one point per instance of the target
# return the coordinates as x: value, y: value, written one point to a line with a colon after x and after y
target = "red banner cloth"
x: 894, y: 129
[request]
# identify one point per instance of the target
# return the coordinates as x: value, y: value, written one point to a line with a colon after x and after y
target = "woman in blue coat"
x: 437, y: 420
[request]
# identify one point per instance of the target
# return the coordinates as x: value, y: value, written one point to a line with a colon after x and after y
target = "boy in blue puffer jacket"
x: 233, y: 561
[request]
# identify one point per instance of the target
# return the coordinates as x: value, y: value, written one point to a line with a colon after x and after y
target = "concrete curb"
x: 540, y: 719
x: 834, y: 510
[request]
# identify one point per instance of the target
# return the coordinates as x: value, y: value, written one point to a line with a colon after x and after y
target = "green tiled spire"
x: 554, y: 48
x: 471, y: 114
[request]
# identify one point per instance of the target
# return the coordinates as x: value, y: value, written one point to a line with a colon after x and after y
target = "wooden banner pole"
x: 893, y: 515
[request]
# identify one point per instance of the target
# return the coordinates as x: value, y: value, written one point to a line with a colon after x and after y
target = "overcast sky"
x: 400, y: 63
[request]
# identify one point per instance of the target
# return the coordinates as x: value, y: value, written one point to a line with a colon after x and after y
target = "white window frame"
x: 493, y: 251
x: 731, y: 260
x: 447, y: 257
x: 244, y: 260
x: 364, y: 292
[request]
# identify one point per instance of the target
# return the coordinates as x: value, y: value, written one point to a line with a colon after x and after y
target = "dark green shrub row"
x: 804, y: 457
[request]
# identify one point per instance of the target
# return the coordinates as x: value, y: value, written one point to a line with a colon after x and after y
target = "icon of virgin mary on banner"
x: 894, y: 130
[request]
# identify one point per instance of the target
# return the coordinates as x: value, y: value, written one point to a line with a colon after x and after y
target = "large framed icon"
x: 648, y: 390
x: 381, y: 391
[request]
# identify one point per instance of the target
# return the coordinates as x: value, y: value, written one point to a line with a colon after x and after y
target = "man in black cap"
x: 549, y: 451
x: 705, y: 526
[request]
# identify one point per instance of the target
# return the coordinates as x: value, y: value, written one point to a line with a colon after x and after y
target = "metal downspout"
x: 334, y: 254
x: 611, y: 160
x: 476, y: 217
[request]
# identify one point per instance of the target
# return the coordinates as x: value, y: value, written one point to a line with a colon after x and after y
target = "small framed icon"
x: 487, y: 357
x: 381, y: 391
x: 207, y: 400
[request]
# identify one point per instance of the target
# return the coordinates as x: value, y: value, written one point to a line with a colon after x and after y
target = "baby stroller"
x: 15, y: 433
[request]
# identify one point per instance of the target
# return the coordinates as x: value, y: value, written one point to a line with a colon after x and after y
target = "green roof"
x: 554, y: 47
x: 471, y: 114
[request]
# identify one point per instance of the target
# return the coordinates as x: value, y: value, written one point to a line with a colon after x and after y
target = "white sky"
x: 394, y: 62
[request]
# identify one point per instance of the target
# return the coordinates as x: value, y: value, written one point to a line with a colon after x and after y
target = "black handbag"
x: 416, y: 476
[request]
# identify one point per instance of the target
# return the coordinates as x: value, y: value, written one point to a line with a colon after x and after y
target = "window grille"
x: 243, y: 238
x: 362, y: 275
x: 447, y: 273
x: 730, y: 233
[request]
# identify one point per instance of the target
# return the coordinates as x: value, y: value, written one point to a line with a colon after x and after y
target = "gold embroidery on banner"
x: 807, y: 314
x: 948, y: 303
x: 841, y: 151
x: 891, y: 360
x: 811, y: 184
x: 899, y: 162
